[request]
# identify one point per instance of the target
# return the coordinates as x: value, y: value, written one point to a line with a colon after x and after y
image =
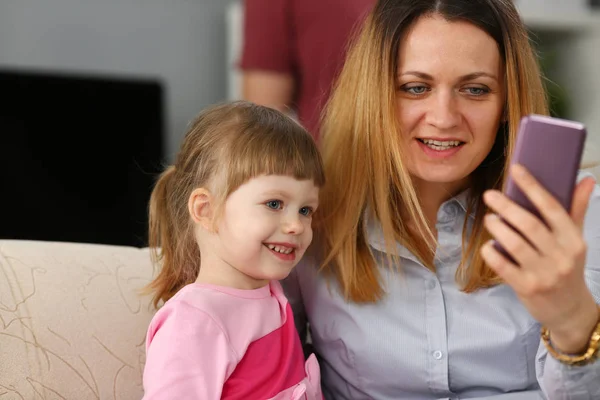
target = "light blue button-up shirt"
x: 428, y: 340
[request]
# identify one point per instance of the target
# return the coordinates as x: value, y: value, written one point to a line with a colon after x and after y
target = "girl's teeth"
x: 279, y: 249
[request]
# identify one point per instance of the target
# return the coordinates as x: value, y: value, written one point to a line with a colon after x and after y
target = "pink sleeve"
x: 188, y: 356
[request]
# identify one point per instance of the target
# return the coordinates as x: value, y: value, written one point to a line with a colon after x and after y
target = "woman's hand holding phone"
x: 549, y: 278
x: 539, y: 248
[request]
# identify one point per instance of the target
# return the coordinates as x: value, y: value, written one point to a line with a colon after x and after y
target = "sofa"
x: 72, y: 320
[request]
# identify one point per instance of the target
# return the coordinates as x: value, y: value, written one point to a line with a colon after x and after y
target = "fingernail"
x: 491, y: 217
x: 492, y: 195
x: 518, y: 170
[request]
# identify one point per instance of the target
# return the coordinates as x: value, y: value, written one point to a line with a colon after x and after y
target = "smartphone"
x: 551, y: 149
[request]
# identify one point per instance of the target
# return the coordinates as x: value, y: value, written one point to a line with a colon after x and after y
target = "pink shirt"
x: 213, y: 342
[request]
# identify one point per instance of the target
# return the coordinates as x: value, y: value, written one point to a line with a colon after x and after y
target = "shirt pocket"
x: 493, y: 341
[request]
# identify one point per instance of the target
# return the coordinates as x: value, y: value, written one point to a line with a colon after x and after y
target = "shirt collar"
x: 374, y: 230
x: 375, y: 237
x: 463, y: 201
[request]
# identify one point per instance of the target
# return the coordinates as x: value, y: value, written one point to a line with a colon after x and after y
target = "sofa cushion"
x: 72, y: 322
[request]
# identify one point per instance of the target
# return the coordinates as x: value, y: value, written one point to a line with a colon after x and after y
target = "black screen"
x: 78, y: 156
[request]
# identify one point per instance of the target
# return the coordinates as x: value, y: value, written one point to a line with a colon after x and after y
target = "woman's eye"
x: 274, y: 204
x: 415, y: 90
x: 477, y: 91
x: 306, y: 211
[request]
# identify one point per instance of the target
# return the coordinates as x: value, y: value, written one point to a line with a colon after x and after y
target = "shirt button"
x: 437, y: 355
x: 431, y: 284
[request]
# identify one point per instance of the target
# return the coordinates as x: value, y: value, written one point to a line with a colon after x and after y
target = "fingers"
x: 526, y: 282
x: 565, y: 231
x: 528, y: 224
x: 550, y: 209
x: 520, y: 249
x: 509, y: 272
x: 581, y: 200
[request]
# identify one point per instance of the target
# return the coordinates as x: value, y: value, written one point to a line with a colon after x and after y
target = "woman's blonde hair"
x: 225, y: 146
x: 363, y: 157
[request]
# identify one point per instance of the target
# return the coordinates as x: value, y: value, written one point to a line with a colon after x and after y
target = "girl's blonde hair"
x: 363, y: 157
x: 225, y: 146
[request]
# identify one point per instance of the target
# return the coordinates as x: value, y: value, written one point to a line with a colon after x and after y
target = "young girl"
x: 231, y: 218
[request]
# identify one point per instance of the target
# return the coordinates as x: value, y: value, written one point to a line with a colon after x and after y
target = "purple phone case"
x: 551, y: 149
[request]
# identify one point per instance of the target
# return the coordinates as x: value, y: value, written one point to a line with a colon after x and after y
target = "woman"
x: 412, y: 301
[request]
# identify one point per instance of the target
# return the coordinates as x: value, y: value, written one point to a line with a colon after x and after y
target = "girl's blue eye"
x: 274, y: 204
x: 306, y: 211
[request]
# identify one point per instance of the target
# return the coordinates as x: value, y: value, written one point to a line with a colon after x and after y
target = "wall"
x: 181, y: 42
x: 187, y: 44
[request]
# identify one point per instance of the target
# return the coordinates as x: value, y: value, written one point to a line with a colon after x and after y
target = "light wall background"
x: 192, y: 46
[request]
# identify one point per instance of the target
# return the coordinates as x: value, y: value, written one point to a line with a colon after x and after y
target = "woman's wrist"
x: 573, y: 334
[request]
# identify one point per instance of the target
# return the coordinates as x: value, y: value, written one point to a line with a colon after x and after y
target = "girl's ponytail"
x: 168, y: 244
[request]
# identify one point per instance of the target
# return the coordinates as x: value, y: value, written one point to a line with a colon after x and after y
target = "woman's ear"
x: 202, y: 208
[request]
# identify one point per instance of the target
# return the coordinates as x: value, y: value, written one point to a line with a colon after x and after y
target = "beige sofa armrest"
x: 72, y: 325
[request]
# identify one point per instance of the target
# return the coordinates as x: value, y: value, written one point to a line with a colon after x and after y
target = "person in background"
x: 405, y: 294
x: 293, y: 50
